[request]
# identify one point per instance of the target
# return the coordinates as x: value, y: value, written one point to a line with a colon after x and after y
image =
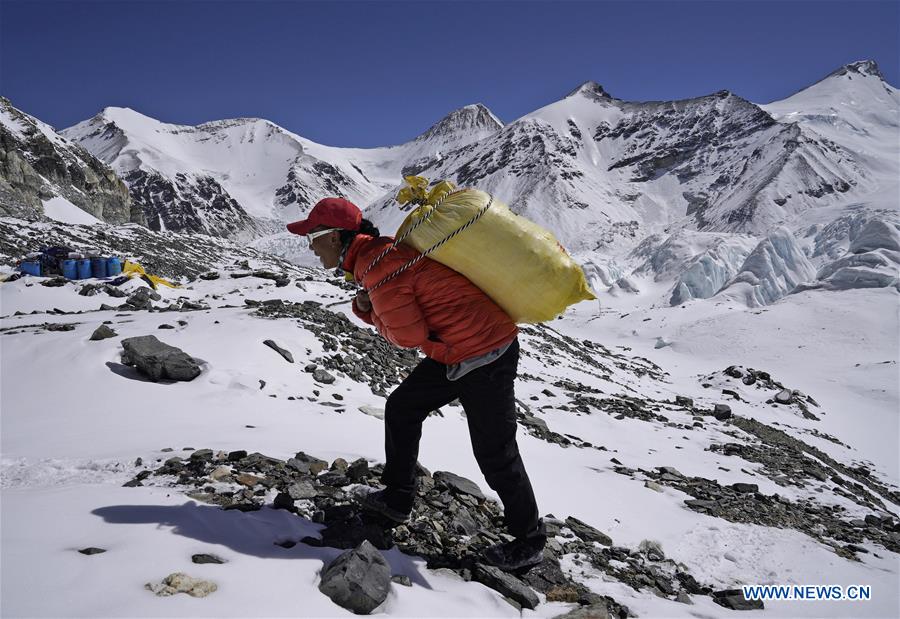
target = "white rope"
x: 407, y: 233
x: 431, y: 249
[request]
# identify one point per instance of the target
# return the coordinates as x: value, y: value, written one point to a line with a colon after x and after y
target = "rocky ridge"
x: 37, y: 164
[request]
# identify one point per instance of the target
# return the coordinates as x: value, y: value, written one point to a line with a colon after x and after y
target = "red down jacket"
x: 429, y: 306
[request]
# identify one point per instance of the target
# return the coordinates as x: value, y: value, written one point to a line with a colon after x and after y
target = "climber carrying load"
x: 471, y: 353
x: 437, y: 287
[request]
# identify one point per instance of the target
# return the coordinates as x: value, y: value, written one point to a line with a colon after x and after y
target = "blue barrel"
x: 98, y: 267
x: 113, y: 266
x: 31, y: 268
x: 84, y: 268
x: 69, y: 268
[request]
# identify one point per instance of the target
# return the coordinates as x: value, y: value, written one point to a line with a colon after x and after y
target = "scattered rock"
x: 594, y: 611
x: 784, y: 396
x: 722, y: 412
x: 142, y: 299
x: 322, y: 376
x: 459, y: 484
x: 744, y: 488
x: 205, y: 558
x: 587, y: 532
x: 57, y: 281
x: 180, y: 582
x: 401, y: 580
x: 59, y: 326
x: 158, y: 360
x: 358, y: 580
x: 734, y: 599
x: 506, y: 584
x: 101, y: 333
x: 281, y: 351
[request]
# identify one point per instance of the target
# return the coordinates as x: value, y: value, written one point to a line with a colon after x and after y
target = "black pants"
x: 487, y: 395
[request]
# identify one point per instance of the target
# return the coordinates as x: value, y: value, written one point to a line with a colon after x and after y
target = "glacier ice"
x: 772, y: 270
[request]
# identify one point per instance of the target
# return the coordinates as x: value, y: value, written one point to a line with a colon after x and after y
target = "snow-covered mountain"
x: 604, y: 173
x: 847, y: 127
x: 246, y: 177
x: 717, y: 177
x: 600, y: 172
x: 40, y: 167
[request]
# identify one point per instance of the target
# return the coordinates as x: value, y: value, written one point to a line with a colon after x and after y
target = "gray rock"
x: 784, y: 396
x: 180, y: 582
x: 530, y: 421
x: 671, y: 470
x: 722, y: 412
x: 459, y: 484
x: 684, y: 401
x: 142, y: 298
x: 57, y: 281
x: 744, y: 488
x: 308, y: 465
x: 101, y: 333
x: 734, y: 599
x: 205, y: 558
x: 322, y: 376
x: 700, y: 503
x: 358, y: 580
x: 281, y: 351
x: 594, y: 611
x: 587, y: 532
x: 402, y: 580
x: 158, y: 360
x: 506, y: 584
x: 358, y: 470
x: 301, y: 490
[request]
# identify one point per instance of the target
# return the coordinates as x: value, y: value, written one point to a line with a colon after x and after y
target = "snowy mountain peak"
x: 590, y: 89
x: 475, y: 117
x: 866, y: 68
x: 44, y: 174
x: 127, y: 119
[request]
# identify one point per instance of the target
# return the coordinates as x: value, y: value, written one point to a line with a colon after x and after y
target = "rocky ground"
x: 451, y: 523
x: 570, y: 391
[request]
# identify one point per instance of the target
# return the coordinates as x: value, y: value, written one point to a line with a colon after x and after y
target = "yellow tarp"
x: 521, y: 266
x: 133, y: 269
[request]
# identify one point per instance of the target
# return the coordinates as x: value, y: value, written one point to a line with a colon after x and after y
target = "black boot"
x: 517, y: 554
x: 385, y: 503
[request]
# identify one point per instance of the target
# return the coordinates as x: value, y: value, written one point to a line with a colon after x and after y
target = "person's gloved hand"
x: 363, y: 302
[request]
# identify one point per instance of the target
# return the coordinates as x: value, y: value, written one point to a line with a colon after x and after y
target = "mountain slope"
x: 38, y: 165
x: 602, y: 173
x: 247, y: 177
x: 795, y: 482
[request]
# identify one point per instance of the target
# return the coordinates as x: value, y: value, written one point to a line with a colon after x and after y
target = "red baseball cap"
x: 331, y: 212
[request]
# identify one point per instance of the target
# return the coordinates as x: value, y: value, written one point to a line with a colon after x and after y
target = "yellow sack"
x: 521, y: 266
x: 133, y: 269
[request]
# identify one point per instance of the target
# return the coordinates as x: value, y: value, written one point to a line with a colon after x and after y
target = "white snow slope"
x: 72, y: 428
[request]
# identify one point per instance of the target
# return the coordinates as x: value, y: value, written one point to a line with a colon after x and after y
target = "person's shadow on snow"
x: 255, y: 533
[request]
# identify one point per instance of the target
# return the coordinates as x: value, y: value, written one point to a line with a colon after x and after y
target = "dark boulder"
x: 358, y: 580
x: 158, y: 360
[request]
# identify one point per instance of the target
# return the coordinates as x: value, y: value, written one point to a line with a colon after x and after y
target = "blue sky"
x: 378, y: 73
